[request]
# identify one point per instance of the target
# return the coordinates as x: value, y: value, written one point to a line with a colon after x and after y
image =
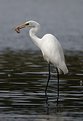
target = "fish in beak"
x: 17, y: 29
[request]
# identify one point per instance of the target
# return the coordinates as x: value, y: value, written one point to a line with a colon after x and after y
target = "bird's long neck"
x: 33, y: 36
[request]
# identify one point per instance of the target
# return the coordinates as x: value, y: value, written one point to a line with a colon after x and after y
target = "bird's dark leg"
x: 47, y: 80
x: 57, y: 85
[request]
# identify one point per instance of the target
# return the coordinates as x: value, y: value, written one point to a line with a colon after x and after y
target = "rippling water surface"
x: 23, y: 74
x: 23, y: 77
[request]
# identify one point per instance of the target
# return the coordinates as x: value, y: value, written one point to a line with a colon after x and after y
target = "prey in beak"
x: 18, y: 28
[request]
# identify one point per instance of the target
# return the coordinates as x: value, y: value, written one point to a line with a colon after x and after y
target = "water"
x: 23, y: 72
x: 23, y: 77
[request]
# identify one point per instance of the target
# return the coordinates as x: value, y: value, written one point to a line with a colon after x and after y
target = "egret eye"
x: 27, y: 24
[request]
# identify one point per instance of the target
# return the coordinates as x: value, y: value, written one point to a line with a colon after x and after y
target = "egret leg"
x: 57, y: 84
x: 48, y: 79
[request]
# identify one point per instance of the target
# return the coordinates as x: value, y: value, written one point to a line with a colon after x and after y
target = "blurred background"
x: 23, y: 71
x: 63, y: 18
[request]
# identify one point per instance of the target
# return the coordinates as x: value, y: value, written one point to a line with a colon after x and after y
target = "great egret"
x: 50, y: 47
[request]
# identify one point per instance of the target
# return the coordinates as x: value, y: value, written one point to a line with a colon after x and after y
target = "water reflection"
x: 23, y: 77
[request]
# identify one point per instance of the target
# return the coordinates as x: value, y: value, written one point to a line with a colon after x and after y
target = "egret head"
x: 30, y: 24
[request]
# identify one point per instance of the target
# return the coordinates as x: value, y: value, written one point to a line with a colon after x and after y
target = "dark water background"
x: 23, y: 77
x: 23, y: 72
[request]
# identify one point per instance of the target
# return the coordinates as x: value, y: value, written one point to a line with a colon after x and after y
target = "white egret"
x: 50, y: 47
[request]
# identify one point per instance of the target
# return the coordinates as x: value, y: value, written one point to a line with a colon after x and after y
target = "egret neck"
x: 32, y: 33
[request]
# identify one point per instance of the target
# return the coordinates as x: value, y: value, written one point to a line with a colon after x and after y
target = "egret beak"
x: 17, y: 29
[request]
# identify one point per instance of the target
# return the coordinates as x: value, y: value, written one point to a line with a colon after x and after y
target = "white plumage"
x: 49, y: 45
x: 51, y: 50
